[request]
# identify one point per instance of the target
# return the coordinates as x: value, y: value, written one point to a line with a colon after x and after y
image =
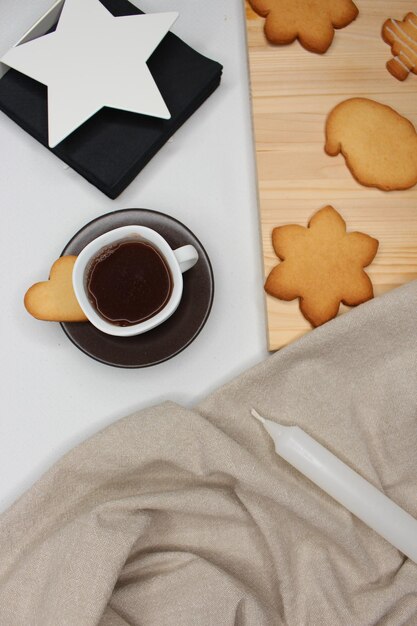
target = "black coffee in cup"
x: 129, y: 282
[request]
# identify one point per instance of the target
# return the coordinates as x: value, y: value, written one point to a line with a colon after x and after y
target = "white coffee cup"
x: 178, y: 261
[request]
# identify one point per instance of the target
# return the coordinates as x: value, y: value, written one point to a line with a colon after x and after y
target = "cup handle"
x: 187, y: 256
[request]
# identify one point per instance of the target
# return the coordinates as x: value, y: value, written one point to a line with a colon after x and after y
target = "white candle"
x: 344, y: 485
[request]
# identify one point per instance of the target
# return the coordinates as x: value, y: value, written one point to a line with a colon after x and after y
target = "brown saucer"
x: 171, y: 337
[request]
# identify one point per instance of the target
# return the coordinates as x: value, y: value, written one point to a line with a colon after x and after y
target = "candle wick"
x: 256, y: 415
x: 273, y: 428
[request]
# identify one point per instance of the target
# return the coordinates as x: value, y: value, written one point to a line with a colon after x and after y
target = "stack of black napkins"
x: 112, y: 147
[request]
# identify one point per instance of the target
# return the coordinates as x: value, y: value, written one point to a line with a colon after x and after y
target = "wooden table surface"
x: 293, y: 91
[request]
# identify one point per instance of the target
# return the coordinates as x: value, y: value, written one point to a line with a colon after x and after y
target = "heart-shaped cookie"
x: 54, y: 300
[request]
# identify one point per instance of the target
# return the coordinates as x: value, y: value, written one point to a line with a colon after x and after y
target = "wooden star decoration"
x: 92, y: 60
x: 322, y: 265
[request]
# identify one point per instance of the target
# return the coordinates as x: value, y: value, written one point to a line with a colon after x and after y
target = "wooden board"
x: 292, y: 92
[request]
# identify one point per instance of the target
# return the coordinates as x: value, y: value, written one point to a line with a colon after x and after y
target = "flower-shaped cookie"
x: 312, y: 22
x: 322, y: 265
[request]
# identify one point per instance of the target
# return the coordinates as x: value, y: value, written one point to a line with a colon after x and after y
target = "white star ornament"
x: 92, y: 60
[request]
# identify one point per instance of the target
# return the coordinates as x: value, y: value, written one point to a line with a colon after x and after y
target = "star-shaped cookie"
x: 322, y: 265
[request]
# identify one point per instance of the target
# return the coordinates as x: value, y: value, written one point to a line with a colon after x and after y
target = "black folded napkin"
x: 112, y: 147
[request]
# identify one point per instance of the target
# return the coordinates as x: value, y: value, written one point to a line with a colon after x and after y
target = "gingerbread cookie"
x: 312, y: 22
x: 402, y: 37
x: 379, y: 144
x: 54, y: 300
x: 322, y: 265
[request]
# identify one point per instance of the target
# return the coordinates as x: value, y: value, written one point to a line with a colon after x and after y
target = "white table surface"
x: 52, y: 395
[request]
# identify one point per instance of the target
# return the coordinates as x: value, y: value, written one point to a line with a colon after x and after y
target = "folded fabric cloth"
x: 187, y: 517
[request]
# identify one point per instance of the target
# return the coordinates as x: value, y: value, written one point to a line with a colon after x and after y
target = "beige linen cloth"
x: 181, y: 517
